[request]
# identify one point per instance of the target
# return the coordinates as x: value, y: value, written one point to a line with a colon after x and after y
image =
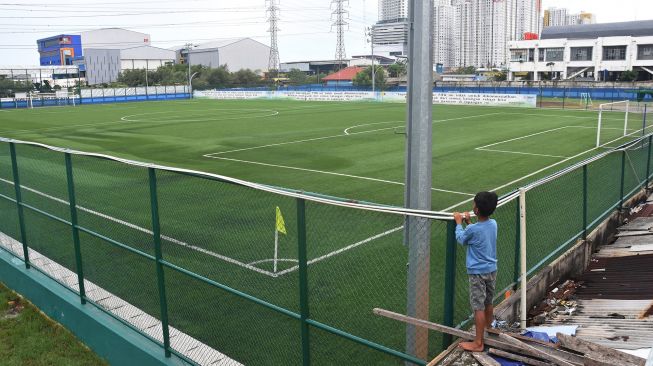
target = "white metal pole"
x: 276, y: 248
x: 373, y: 68
x: 598, y: 132
x: 522, y: 254
x: 626, y: 120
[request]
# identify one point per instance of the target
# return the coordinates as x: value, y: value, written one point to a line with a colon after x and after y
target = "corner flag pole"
x: 279, y: 227
x: 276, y: 247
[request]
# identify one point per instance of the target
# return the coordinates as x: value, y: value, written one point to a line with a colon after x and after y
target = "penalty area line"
x: 331, y: 173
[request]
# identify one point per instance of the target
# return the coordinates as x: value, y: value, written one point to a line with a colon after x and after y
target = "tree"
x: 132, y: 78
x: 297, y: 77
x: 245, y: 77
x: 500, y: 76
x: 217, y: 78
x: 364, y: 78
x: 468, y: 70
x: 628, y: 75
x: 397, y: 70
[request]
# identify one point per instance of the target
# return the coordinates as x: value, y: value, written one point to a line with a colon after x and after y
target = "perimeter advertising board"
x: 504, y: 100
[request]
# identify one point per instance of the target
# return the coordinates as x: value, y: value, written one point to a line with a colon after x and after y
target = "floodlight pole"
x: 370, y: 32
x: 419, y: 170
x: 190, y: 78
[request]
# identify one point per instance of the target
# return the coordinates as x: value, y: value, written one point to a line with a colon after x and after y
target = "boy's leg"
x: 477, y: 293
x: 489, y: 315
x: 490, y: 285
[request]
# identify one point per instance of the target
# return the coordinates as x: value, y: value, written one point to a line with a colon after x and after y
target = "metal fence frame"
x: 303, y: 315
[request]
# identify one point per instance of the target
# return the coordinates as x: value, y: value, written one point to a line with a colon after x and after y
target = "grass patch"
x: 29, y: 338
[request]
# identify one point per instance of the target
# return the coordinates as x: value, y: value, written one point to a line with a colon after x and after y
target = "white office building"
x: 585, y: 52
x: 390, y: 34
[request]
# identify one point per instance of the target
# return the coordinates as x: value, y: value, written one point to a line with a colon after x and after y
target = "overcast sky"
x: 305, y: 29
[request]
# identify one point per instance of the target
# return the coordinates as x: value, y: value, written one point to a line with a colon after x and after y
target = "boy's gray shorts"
x: 481, y: 289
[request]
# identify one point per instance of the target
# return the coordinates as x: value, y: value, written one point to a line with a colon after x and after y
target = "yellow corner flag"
x: 281, y: 225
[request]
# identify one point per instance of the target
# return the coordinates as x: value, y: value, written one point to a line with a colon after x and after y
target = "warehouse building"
x: 102, y: 54
x: 105, y: 65
x: 236, y: 54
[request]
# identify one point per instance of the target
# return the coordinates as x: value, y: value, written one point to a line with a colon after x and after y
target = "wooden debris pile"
x: 570, y: 351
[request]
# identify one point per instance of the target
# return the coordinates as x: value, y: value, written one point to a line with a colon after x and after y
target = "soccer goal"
x: 586, y: 100
x: 613, y: 122
x: 58, y: 98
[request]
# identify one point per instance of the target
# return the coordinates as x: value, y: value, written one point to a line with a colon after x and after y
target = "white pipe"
x: 522, y: 254
x: 626, y: 121
x: 598, y: 133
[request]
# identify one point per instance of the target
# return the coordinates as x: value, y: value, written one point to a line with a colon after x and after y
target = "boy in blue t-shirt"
x: 481, y: 242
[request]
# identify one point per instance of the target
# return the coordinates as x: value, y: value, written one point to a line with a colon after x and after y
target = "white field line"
x: 250, y: 266
x: 272, y: 260
x: 520, y: 153
x: 143, y: 230
x: 336, y: 136
x: 521, y: 137
x: 539, y: 171
x: 346, y: 131
x: 342, y: 250
x: 485, y: 148
x: 122, y: 120
x: 270, y: 112
x: 331, y: 173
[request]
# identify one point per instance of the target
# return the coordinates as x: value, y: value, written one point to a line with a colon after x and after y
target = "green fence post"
x: 449, y: 282
x: 517, y: 264
x: 585, y: 202
x: 303, y: 280
x: 72, y: 202
x: 156, y: 231
x: 19, y: 203
x: 648, y: 161
x: 623, y: 174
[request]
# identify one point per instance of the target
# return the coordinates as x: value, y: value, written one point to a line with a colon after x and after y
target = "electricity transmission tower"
x: 340, y: 18
x: 273, y: 19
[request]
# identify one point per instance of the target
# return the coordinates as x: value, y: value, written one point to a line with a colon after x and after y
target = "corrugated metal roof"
x: 348, y: 73
x: 591, y: 31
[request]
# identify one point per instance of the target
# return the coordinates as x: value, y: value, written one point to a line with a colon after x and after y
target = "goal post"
x: 58, y: 98
x: 621, y: 106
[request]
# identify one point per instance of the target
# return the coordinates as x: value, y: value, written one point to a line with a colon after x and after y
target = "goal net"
x: 617, y: 121
x: 58, y: 98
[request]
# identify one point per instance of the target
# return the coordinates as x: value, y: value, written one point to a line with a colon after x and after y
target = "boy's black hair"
x: 486, y: 202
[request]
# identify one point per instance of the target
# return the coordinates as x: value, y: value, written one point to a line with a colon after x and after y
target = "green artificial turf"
x: 225, y: 232
x: 27, y: 337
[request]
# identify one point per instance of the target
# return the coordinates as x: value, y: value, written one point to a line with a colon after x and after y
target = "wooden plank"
x: 460, y: 333
x: 594, y: 362
x: 449, y: 351
x: 453, y: 357
x: 484, y: 359
x: 583, y: 346
x: 524, y: 338
x: 514, y: 357
x: 549, y: 356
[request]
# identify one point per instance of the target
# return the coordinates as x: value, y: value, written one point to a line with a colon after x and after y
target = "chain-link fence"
x: 214, y: 268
